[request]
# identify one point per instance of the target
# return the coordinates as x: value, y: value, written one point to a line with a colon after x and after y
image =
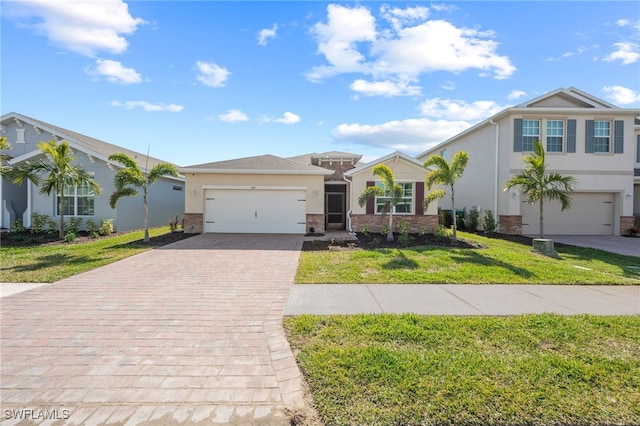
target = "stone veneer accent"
x: 375, y: 222
x: 193, y: 223
x: 511, y: 225
x: 317, y: 221
x: 626, y: 223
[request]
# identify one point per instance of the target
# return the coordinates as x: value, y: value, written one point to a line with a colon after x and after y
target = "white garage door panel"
x: 590, y: 214
x: 263, y: 211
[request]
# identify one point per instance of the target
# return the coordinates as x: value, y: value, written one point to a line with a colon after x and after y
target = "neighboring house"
x: 584, y: 137
x: 166, y: 197
x: 269, y: 194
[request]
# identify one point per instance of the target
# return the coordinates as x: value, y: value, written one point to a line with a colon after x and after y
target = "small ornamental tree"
x: 540, y: 185
x: 131, y: 177
x: 445, y: 174
x: 389, y: 189
x: 58, y: 172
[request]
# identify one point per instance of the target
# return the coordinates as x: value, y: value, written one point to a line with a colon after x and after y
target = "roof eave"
x: 187, y: 170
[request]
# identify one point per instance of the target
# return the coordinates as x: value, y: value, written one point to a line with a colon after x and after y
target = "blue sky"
x: 204, y: 81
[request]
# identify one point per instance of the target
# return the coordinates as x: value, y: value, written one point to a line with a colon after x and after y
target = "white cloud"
x: 353, y: 42
x: 516, y: 94
x: 459, y: 110
x: 622, y: 95
x: 625, y: 52
x: 266, y: 34
x: 115, y: 72
x: 232, y: 116
x: 84, y: 27
x: 411, y: 136
x: 287, y: 118
x: 211, y: 74
x: 384, y: 88
x: 149, y: 107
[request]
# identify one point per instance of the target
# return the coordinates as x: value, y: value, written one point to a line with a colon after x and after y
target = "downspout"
x: 349, y: 228
x: 496, y: 189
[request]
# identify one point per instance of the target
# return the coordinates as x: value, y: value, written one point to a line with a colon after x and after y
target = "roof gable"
x: 567, y: 98
x: 269, y: 164
x: 78, y: 141
x: 397, y: 155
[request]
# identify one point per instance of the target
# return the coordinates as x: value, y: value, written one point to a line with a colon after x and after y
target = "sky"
x: 195, y: 82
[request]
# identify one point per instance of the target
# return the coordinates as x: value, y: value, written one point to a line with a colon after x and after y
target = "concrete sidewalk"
x: 461, y: 299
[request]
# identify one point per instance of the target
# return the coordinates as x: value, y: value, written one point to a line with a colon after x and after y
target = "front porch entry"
x: 335, y: 206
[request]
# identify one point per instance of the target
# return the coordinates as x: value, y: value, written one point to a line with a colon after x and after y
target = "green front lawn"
x: 52, y: 262
x: 426, y: 370
x: 497, y: 261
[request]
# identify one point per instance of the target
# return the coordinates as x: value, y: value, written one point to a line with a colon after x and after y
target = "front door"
x: 335, y: 210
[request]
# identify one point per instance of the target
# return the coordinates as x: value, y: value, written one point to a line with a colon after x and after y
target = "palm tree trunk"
x: 61, y: 213
x: 453, y: 207
x: 390, y: 232
x: 541, y: 218
x: 146, y: 213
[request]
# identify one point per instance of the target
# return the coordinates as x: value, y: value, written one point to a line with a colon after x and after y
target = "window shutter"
x: 517, y: 135
x: 371, y: 201
x: 571, y: 135
x: 590, y: 138
x: 618, y: 137
x: 638, y: 150
x: 419, y: 198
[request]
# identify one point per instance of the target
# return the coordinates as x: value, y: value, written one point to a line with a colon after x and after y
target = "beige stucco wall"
x: 195, y: 183
x: 402, y: 171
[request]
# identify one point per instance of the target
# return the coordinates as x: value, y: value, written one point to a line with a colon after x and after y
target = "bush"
x: 70, y: 237
x: 442, y: 233
x: 364, y: 229
x: 74, y: 225
x: 384, y: 229
x: 106, y: 227
x: 404, y: 239
x: 92, y: 228
x: 42, y: 224
x: 17, y: 226
x: 461, y: 218
x: 489, y: 224
x: 473, y: 219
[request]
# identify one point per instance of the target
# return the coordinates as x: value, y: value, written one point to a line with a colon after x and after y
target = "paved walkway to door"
x: 184, y: 334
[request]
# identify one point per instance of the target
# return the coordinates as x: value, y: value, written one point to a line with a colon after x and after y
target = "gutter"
x: 349, y: 228
x: 495, y: 196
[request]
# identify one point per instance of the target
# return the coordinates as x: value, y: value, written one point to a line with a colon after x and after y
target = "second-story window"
x: 602, y: 136
x: 530, y: 134
x: 555, y: 135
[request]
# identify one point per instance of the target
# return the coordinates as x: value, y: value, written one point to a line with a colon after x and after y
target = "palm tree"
x: 131, y: 177
x: 540, y: 185
x: 59, y: 172
x: 4, y: 158
x: 389, y: 189
x: 445, y: 174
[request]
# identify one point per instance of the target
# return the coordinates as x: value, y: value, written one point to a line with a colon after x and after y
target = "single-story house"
x: 166, y: 197
x: 583, y: 136
x: 307, y: 193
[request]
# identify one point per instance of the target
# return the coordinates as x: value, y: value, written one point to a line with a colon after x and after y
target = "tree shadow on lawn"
x: 629, y: 265
x: 400, y: 262
x: 479, y: 259
x: 52, y: 260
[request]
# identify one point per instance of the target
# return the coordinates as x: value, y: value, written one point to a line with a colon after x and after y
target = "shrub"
x: 364, y: 229
x: 70, y: 236
x: 106, y: 227
x: 42, y: 224
x: 384, y: 229
x: 18, y: 226
x: 442, y: 233
x: 92, y: 228
x: 461, y: 218
x: 422, y: 232
x: 74, y: 225
x: 489, y: 224
x: 473, y: 219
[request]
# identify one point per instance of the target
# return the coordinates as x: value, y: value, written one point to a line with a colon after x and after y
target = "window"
x: 530, y: 134
x: 404, y: 206
x: 602, y: 136
x: 555, y: 135
x: 443, y: 153
x: 78, y: 201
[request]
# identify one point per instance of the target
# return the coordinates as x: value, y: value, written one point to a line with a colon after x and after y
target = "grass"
x: 419, y: 370
x: 50, y: 263
x: 498, y: 261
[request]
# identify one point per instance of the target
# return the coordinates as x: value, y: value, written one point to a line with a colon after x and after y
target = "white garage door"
x: 261, y: 211
x: 590, y: 214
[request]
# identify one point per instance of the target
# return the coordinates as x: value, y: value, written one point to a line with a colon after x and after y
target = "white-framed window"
x: 78, y: 201
x: 530, y: 134
x: 555, y: 135
x: 405, y: 206
x: 602, y: 136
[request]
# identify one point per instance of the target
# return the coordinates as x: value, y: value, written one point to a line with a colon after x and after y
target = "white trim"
x: 255, y: 187
x: 321, y: 172
x: 397, y: 155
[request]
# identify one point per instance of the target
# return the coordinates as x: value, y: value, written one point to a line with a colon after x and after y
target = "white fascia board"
x: 411, y: 160
x: 187, y: 170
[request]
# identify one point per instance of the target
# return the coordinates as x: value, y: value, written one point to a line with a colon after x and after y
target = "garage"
x: 590, y: 214
x: 262, y: 210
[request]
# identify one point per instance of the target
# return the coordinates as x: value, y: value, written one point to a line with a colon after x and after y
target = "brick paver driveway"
x: 185, y: 334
